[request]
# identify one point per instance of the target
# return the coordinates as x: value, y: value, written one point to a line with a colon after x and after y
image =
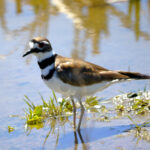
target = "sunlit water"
x: 113, y: 35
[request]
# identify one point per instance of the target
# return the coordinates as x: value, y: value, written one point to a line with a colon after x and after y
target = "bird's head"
x: 38, y: 46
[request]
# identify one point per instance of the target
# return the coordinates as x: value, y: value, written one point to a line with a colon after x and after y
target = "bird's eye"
x: 41, y: 45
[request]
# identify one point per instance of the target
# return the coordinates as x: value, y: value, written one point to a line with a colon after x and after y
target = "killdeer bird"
x: 72, y: 77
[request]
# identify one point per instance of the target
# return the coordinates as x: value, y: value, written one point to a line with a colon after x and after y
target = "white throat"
x: 42, y: 56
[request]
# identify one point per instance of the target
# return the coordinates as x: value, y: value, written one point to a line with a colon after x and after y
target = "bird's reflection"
x: 75, y: 141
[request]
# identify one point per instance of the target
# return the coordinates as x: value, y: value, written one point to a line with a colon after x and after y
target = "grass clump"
x: 34, y: 116
x: 53, y: 108
x: 91, y: 101
x: 125, y: 104
x: 137, y: 103
x: 141, y: 106
x: 120, y: 108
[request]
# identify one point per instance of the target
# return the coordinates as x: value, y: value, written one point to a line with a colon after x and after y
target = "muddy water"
x: 113, y: 35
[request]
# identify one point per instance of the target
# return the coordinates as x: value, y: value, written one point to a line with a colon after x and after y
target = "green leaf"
x: 38, y: 111
x: 55, y: 98
x: 29, y: 102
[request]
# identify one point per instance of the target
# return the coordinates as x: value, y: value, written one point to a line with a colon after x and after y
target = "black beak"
x: 27, y: 53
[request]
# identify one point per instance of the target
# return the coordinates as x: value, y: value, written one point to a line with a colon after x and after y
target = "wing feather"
x: 81, y: 73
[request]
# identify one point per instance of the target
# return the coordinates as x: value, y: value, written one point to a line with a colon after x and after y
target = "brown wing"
x: 80, y: 73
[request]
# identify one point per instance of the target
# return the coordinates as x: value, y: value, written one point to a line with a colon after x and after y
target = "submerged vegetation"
x: 126, y: 104
x: 53, y: 108
x: 135, y: 103
x: 55, y: 112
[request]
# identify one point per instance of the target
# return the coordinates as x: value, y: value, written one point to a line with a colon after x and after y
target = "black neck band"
x: 47, y: 62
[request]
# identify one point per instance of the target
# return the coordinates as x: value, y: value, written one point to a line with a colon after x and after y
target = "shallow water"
x: 113, y: 35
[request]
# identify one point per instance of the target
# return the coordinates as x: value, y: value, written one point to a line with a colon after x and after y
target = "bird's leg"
x: 82, y: 113
x: 74, y: 114
x: 76, y: 140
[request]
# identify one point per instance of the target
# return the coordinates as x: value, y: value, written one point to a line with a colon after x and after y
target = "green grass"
x: 126, y: 104
x: 137, y: 103
x: 55, y: 112
x: 36, y: 114
x: 141, y: 106
x: 54, y: 108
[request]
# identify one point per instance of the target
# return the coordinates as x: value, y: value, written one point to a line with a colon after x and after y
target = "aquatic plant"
x: 53, y: 108
x: 55, y: 112
x: 91, y: 101
x: 136, y: 103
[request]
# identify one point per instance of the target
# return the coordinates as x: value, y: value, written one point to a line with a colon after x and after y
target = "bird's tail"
x: 134, y: 75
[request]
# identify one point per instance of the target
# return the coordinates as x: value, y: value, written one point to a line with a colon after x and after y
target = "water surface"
x: 113, y: 35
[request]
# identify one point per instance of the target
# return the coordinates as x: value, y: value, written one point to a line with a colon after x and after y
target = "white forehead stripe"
x: 45, y: 42
x: 33, y: 45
